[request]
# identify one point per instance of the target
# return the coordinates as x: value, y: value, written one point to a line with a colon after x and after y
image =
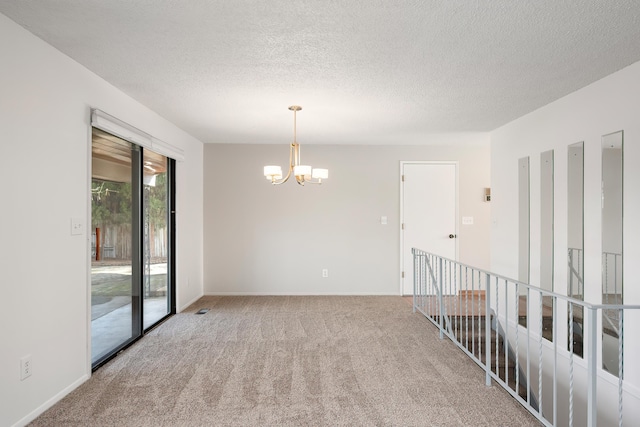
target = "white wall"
x: 606, y: 106
x: 45, y: 99
x: 264, y: 239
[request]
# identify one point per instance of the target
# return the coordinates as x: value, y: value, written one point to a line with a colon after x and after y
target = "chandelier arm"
x: 282, y: 181
x: 296, y: 154
x: 286, y: 178
x: 295, y: 148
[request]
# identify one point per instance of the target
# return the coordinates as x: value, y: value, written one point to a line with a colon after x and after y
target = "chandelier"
x: 303, y: 173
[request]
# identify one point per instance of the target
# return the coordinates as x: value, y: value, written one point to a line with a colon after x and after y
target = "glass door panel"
x: 156, y: 284
x: 114, y: 246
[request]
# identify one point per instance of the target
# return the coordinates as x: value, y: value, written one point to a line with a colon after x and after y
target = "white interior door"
x: 429, y: 212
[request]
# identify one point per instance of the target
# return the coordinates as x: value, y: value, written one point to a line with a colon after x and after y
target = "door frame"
x: 401, y: 222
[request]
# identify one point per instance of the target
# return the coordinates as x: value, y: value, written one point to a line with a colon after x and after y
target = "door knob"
x: 452, y: 236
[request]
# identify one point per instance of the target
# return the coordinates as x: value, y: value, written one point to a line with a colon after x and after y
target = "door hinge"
x: 402, y: 178
x: 403, y: 274
x: 403, y: 225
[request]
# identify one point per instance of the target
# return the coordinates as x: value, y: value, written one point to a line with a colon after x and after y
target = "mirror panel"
x: 575, y: 241
x: 546, y: 220
x: 523, y: 235
x: 612, y: 286
x: 546, y: 240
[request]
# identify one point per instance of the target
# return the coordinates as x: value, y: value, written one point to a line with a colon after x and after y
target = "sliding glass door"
x: 131, y: 289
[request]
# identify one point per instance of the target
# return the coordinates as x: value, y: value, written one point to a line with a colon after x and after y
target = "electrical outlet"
x: 25, y: 367
x: 325, y: 272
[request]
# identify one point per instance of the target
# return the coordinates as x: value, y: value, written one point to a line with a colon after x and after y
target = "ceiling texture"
x: 364, y: 71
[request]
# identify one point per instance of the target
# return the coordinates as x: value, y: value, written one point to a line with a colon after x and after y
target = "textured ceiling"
x: 365, y: 71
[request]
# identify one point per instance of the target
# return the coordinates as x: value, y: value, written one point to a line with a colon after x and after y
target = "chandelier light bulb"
x: 273, y: 172
x: 302, y: 170
x: 320, y: 173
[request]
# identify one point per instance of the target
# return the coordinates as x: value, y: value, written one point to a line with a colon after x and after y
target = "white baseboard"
x: 262, y: 293
x: 186, y: 305
x: 49, y: 403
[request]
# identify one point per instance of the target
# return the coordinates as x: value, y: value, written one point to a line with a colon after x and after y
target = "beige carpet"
x: 290, y: 361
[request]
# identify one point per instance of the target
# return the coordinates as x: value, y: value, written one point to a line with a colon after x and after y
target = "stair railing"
x: 474, y: 307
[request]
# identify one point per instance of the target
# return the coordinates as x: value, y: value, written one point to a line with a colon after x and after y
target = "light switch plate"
x: 77, y: 226
x: 383, y: 220
x: 467, y: 220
